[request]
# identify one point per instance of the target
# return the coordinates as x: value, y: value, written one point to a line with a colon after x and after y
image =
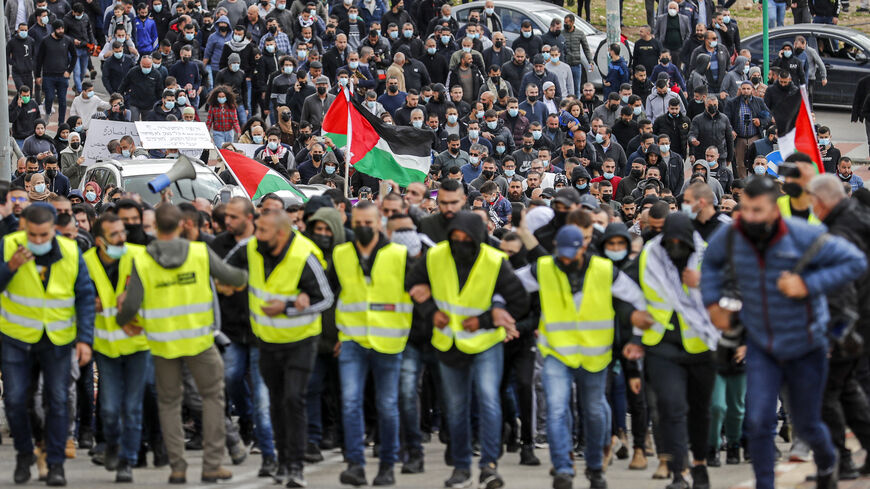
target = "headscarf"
x: 33, y: 194
x: 97, y: 190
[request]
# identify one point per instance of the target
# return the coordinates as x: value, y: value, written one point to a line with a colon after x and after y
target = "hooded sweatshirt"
x: 711, y: 180
x: 332, y: 218
x: 734, y: 77
x: 698, y: 78
x: 215, y: 44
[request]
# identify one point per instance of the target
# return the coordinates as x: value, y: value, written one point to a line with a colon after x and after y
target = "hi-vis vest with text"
x: 177, y: 310
x: 662, y: 314
x: 577, y: 337
x: 784, y: 204
x: 282, y: 284
x: 474, y: 299
x: 109, y: 339
x: 375, y: 312
x: 27, y: 309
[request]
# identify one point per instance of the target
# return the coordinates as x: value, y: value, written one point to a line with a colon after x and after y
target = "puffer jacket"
x: 576, y: 46
x: 783, y: 327
x: 516, y: 125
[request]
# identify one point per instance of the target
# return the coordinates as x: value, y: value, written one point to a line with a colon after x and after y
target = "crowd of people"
x: 569, y: 260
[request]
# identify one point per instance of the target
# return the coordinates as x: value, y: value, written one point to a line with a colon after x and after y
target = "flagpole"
x: 347, y: 154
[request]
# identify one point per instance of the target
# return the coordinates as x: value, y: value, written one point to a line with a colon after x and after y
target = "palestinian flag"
x: 401, y: 154
x: 795, y: 130
x: 255, y: 178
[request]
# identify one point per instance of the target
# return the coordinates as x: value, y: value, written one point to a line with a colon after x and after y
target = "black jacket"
x: 141, y: 90
x: 78, y: 29
x: 23, y: 118
x: 676, y: 128
x: 55, y: 56
x: 20, y: 54
x: 235, y: 317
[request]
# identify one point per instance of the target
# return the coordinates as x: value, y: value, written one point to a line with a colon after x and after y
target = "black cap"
x: 567, y: 196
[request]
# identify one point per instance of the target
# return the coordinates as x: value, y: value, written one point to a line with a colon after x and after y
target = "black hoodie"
x: 507, y: 285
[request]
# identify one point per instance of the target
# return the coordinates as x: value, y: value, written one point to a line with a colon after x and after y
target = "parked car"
x: 844, y: 51
x: 514, y: 12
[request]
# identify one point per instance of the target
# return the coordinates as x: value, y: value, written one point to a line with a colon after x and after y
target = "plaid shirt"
x: 222, y: 118
x: 745, y: 130
x: 282, y: 42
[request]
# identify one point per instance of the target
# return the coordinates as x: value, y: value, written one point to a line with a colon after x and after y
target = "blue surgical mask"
x: 500, y: 149
x: 452, y: 118
x: 637, y: 110
x: 257, y: 139
x: 608, y: 175
x: 222, y: 100
x: 353, y: 64
x: 157, y: 7
x: 536, y: 134
x: 394, y: 34
x: 616, y: 255
x: 234, y: 67
x: 79, y: 128
x: 329, y: 170
x: 39, y: 188
x: 80, y: 17
x: 90, y: 196
x: 599, y: 138
x: 474, y: 160
x: 687, y: 210
x: 125, y: 153
x: 273, y: 145
x: 145, y: 71
x: 726, y: 19
x: 445, y: 39
x: 342, y: 81
x: 169, y: 105
x: 513, y: 112
x: 182, y: 101
x: 45, y: 19
x: 510, y: 173
x: 118, y: 54
x: 188, y: 36
x: 301, y: 54
x: 281, y: 6
x: 270, y: 48
x: 665, y: 148
x: 624, y: 99
x: 746, y: 69
x: 237, y: 37
x: 492, y: 124
x: 713, y: 44
x: 417, y: 124
x: 581, y: 186
x: 479, y: 115
x: 431, y: 50
x: 288, y: 70
x: 408, y: 33
x: 554, y: 59
x: 759, y: 170
x: 546, y: 56
x: 352, y: 16
x: 90, y: 94
x: 473, y: 134
x: 39, y: 249
x: 372, y: 104
x: 527, y: 34
x: 115, y: 252
x: 22, y: 34
x: 824, y: 141
x: 466, y: 49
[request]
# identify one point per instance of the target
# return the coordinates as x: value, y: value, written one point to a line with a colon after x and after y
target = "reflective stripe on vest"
x: 109, y: 339
x: 784, y: 203
x: 282, y: 284
x: 375, y: 312
x: 473, y: 299
x: 580, y: 337
x: 177, y: 311
x: 662, y: 313
x: 27, y: 308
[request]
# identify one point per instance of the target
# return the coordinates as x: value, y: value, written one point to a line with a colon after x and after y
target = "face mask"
x: 687, y: 210
x: 616, y: 255
x: 408, y: 33
x: 757, y: 231
x: 473, y: 134
x: 787, y: 54
x: 145, y: 71
x: 712, y: 110
x: 536, y: 135
x: 125, y: 153
x: 222, y: 100
x: 281, y: 6
x: 237, y: 38
x: 492, y: 124
x: 679, y: 253
x: 513, y: 112
x: 599, y: 138
x: 713, y: 44
x: 824, y: 141
x: 445, y: 39
x: 417, y: 124
x: 234, y: 67
x: 257, y: 139
x: 430, y: 50
x: 44, y: 19
x: 479, y: 115
x: 118, y: 55
x: 25, y: 99
x: 322, y: 241
x: 169, y: 105
x: 637, y: 110
x: 509, y: 173
x: 188, y: 36
x: 527, y: 34
x: 759, y: 170
x: 115, y: 252
x: 301, y: 54
x: 273, y: 145
x: 90, y: 196
x: 488, y: 174
x: 273, y: 30
x: 699, y: 101
x: 845, y: 176
x: 528, y: 145
x: 39, y: 249
x: 79, y: 17
x: 316, y: 157
x: 792, y: 189
x: 624, y: 99
x: 270, y: 48
x: 755, y: 80
x: 583, y: 186
x: 22, y: 34
x: 394, y: 34
x: 464, y: 252
x: 609, y: 174
x: 342, y: 81
x: 672, y: 12
x: 51, y: 173
x: 636, y: 173
x: 39, y: 188
x: 500, y: 149
x: 75, y: 145
x: 321, y: 90
x: 364, y: 234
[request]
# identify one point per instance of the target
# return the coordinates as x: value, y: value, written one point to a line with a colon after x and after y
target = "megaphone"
x: 182, y: 169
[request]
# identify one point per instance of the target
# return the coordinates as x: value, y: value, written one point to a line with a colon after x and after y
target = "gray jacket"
x: 313, y: 109
x: 734, y: 77
x: 657, y: 105
x: 575, y: 44
x: 661, y: 28
x: 712, y: 131
x: 814, y: 62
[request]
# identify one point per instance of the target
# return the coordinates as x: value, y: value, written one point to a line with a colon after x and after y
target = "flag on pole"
x: 795, y: 130
x: 398, y: 153
x: 255, y: 178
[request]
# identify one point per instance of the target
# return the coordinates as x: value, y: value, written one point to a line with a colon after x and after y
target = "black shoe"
x: 86, y: 439
x: 509, y: 434
x: 828, y: 481
x: 489, y: 478
x: 141, y: 459
x: 354, y: 475
x: 700, y: 479
x: 713, y: 458
x: 23, y: 461
x: 385, y: 476
x: 161, y: 456
x: 785, y: 433
x: 195, y: 443
x: 596, y: 479
x: 732, y: 455
x: 55, y: 476
x: 563, y: 481
x: 580, y: 449
x: 238, y: 453
x: 268, y: 467
x: 475, y: 448
x: 848, y: 471
x: 459, y: 479
x: 527, y: 455
x: 124, y: 473
x: 280, y: 474
x: 678, y: 483
x: 110, y: 458
x: 414, y: 465
x: 312, y: 453
x: 295, y: 477
x: 328, y: 442
x: 448, y: 456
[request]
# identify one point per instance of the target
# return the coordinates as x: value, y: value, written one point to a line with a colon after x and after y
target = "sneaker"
x: 848, y: 471
x: 541, y: 440
x: 385, y: 476
x: 55, y: 476
x: 414, y: 464
x: 622, y: 451
x: 280, y: 473
x: 713, y: 458
x: 220, y: 474
x: 638, y: 460
x: 732, y: 454
x: 354, y: 475
x: 178, y: 477
x: 596, y: 479
x: 489, y: 478
x: 527, y: 456
x: 678, y: 483
x: 700, y: 478
x: 460, y: 479
x: 295, y: 477
x: 799, y: 452
x: 312, y: 453
x: 86, y: 439
x: 862, y: 10
x: 563, y: 481
x: 268, y: 467
x: 238, y: 453
x: 195, y: 443
x: 110, y: 458
x: 23, y: 461
x: 124, y: 473
x: 785, y: 432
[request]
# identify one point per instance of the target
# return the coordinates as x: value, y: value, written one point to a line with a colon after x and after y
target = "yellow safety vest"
x: 177, y: 310
x: 784, y: 204
x: 374, y: 312
x: 474, y: 299
x: 109, y: 339
x: 27, y: 308
x: 662, y: 314
x: 283, y: 284
x: 577, y: 337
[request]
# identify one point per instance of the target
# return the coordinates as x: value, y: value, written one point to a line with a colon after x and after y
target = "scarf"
x: 306, y: 23
x: 278, y: 152
x: 662, y: 276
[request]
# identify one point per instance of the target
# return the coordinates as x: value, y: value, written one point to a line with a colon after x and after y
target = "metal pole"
x: 765, y: 40
x: 613, y: 22
x: 5, y: 166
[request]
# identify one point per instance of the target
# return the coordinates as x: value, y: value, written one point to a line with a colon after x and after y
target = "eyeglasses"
x: 18, y: 200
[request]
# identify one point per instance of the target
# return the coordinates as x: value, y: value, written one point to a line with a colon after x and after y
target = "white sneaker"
x: 799, y: 452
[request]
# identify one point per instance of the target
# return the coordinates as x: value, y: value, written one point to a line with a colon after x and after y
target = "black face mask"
x: 364, y: 234
x: 273, y: 30
x: 223, y: 30
x: 678, y: 252
x: 757, y: 231
x: 488, y: 174
x: 393, y: 88
x: 532, y: 98
x: 636, y: 173
x: 712, y: 110
x: 528, y: 145
x: 464, y: 252
x: 321, y: 90
x: 606, y: 197
x: 755, y: 80
x: 498, y: 44
x: 322, y: 241
x: 519, y: 259
x: 75, y: 145
x: 792, y: 189
x: 495, y: 80
x: 559, y: 218
x: 285, y: 116
x: 51, y: 173
x: 315, y: 157
x: 569, y: 153
x: 135, y: 234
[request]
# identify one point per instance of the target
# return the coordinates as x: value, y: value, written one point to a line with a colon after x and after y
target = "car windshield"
x: 205, y: 185
x: 547, y: 15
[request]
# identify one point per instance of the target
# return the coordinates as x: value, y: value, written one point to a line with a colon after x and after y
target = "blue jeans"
x: 122, y: 389
x: 775, y: 14
x: 412, y: 370
x: 17, y: 366
x: 484, y: 374
x: 241, y: 363
x: 81, y: 67
x: 221, y: 137
x: 242, y: 114
x: 55, y: 86
x: 578, y: 71
x: 558, y: 378
x: 823, y: 20
x: 804, y: 378
x: 354, y: 363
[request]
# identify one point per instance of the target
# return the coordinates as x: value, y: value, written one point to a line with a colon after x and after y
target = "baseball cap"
x: 567, y: 196
x: 569, y: 239
x: 588, y: 201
